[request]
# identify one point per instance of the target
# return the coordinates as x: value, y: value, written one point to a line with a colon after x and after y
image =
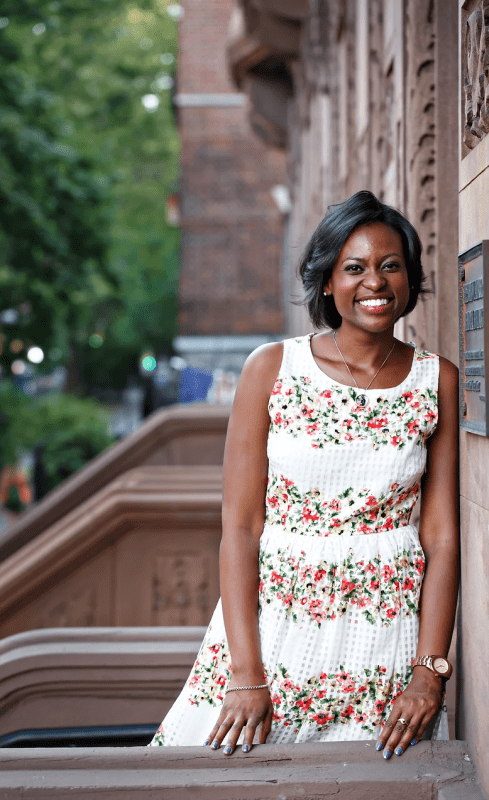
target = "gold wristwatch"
x: 437, y: 664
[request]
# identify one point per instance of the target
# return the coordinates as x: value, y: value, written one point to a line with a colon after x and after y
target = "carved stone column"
x: 431, y: 166
x: 421, y: 155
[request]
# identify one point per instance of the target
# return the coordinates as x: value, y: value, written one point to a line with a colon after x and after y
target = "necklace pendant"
x: 362, y: 400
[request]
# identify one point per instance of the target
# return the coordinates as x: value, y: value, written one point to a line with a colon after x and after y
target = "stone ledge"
x: 350, y: 770
x: 93, y: 676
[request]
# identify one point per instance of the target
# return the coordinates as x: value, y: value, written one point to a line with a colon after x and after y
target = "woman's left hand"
x: 416, y: 707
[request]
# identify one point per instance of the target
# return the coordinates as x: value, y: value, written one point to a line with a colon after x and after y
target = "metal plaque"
x: 473, y: 267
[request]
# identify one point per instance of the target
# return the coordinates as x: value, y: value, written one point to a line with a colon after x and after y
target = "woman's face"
x: 369, y: 282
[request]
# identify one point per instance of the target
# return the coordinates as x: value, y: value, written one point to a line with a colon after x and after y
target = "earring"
x: 325, y: 294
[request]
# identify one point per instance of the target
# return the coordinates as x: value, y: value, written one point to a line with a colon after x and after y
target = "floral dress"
x: 340, y: 564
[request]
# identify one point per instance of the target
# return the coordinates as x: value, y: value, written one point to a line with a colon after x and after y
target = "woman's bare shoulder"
x: 266, y: 358
x: 261, y: 369
x: 449, y: 375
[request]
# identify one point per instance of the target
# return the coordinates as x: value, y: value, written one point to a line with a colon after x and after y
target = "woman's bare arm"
x: 244, y: 489
x: 439, y: 537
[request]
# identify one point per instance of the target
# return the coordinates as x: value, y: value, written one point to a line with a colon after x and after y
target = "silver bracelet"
x: 240, y: 688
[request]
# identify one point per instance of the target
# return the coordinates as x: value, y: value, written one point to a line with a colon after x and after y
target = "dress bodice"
x: 337, y: 466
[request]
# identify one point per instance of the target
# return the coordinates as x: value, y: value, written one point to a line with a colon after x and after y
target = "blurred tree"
x: 53, y: 240
x: 63, y: 432
x: 103, y: 123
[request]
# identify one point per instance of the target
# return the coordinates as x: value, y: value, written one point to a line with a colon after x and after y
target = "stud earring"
x: 325, y: 294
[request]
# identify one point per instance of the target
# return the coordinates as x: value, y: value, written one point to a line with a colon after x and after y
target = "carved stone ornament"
x: 475, y: 71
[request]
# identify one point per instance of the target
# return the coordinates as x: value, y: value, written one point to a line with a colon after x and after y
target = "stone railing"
x: 141, y: 551
x: 181, y: 435
x: 350, y: 770
x: 93, y: 676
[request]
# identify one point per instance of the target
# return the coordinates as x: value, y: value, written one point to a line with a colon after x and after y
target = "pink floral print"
x: 336, y: 697
x: 334, y: 415
x: 381, y: 590
x: 352, y: 512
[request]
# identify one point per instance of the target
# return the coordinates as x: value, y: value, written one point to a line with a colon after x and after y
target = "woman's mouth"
x: 375, y: 305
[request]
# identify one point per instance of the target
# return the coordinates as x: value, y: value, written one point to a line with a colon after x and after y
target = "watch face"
x: 441, y: 665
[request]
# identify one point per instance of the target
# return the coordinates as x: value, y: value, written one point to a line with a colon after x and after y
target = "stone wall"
x: 474, y: 227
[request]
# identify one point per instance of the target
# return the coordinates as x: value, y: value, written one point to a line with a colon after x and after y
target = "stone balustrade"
x: 93, y: 676
x: 141, y: 551
x: 190, y: 434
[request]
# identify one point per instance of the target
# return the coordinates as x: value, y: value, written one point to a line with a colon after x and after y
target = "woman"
x: 329, y: 596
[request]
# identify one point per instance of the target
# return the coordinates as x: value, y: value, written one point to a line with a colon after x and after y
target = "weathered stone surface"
x: 93, y: 676
x: 294, y: 772
x: 142, y: 551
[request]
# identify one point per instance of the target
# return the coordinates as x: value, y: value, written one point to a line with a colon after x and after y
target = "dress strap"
x: 294, y: 358
x: 426, y: 369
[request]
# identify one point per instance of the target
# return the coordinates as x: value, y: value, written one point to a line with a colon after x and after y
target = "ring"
x: 402, y: 721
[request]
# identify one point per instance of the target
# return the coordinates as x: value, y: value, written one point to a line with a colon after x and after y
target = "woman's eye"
x: 353, y: 268
x: 392, y: 265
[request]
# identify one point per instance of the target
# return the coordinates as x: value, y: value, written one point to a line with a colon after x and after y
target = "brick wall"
x: 232, y: 231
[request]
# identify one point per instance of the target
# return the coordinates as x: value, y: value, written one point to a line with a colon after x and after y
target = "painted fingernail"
x: 387, y: 754
x: 215, y: 745
x: 379, y: 746
x: 227, y: 750
x: 246, y: 748
x: 399, y: 751
x: 206, y: 743
x: 414, y: 741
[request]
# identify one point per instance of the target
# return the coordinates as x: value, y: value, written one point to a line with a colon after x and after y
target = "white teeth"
x: 382, y: 302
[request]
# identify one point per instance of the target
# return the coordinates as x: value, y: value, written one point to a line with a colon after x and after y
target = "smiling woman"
x: 336, y: 613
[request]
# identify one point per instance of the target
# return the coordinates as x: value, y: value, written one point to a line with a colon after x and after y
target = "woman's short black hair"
x: 324, y: 247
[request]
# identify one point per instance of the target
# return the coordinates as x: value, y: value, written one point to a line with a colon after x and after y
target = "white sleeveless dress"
x: 341, y: 567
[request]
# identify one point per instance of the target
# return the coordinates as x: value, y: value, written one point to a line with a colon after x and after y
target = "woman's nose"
x: 373, y: 279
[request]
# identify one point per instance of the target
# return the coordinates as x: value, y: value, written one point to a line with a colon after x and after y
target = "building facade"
x: 392, y: 96
x: 231, y: 219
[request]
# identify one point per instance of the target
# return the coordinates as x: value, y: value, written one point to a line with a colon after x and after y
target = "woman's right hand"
x: 246, y: 710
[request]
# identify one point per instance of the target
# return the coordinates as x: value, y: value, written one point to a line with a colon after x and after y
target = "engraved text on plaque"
x: 474, y: 300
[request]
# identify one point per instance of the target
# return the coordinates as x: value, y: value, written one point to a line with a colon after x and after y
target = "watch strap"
x: 424, y: 661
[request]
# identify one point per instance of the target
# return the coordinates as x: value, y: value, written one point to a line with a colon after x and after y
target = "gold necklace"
x: 362, y: 398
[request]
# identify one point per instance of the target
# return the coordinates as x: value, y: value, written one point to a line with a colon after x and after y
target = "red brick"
x: 232, y: 231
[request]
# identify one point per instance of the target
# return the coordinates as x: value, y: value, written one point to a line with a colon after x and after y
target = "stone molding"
x: 350, y: 770
x: 66, y: 677
x: 182, y: 434
x: 147, y: 501
x: 264, y: 37
x: 475, y: 72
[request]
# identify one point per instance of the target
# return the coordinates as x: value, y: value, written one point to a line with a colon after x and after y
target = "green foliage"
x: 70, y: 430
x: 14, y: 503
x: 52, y: 217
x: 86, y: 170
x: 13, y: 418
